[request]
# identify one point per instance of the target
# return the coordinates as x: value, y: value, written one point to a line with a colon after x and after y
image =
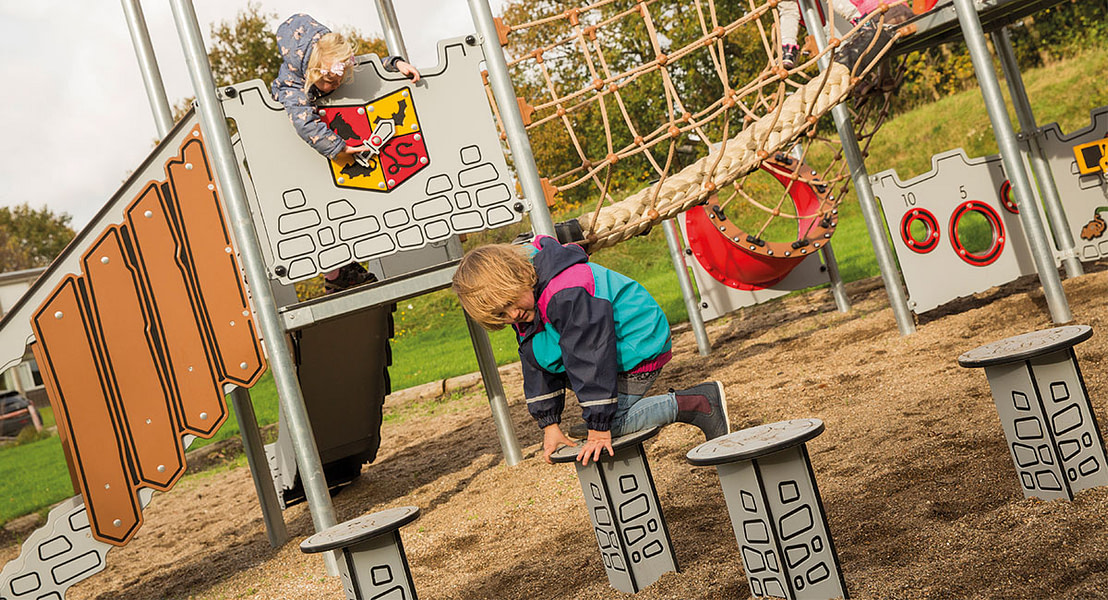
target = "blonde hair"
x: 330, y: 48
x: 490, y: 279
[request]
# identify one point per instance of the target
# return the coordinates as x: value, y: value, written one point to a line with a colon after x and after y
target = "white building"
x: 24, y: 377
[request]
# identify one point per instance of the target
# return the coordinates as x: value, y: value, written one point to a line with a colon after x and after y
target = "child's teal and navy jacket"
x: 591, y: 324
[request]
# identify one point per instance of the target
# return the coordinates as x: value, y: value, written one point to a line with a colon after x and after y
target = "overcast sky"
x: 76, y: 117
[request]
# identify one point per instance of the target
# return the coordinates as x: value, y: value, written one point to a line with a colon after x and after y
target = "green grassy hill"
x: 1064, y: 92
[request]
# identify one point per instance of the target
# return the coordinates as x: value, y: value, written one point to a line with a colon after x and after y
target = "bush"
x: 28, y: 435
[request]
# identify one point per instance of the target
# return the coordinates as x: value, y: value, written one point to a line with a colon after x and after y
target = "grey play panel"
x: 442, y: 172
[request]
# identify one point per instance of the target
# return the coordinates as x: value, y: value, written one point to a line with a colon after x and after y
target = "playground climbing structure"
x: 437, y: 175
x: 144, y: 323
x: 159, y: 375
x: 750, y: 115
x: 137, y: 349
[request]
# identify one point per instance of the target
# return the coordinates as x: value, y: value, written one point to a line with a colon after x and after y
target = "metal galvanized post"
x: 394, y: 41
x: 254, y: 449
x: 494, y: 385
x: 838, y: 289
x: 248, y: 427
x: 218, y: 138
x: 1010, y: 153
x: 148, y: 65
x: 482, y: 346
x: 677, y: 256
x: 505, y: 97
x: 886, y: 262
x: 1043, y: 175
x: 494, y: 388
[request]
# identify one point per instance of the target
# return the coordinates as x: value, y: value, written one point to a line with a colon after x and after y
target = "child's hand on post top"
x: 552, y: 439
x: 407, y: 70
x: 595, y: 445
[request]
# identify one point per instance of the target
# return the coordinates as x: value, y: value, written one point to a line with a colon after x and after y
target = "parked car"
x: 15, y: 414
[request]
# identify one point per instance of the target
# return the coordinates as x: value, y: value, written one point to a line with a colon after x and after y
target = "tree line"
x: 1061, y: 31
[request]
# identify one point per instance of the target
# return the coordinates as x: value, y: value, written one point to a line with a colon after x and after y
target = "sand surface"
x: 919, y: 488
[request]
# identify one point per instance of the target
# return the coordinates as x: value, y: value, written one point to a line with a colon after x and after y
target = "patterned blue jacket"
x: 591, y: 324
x: 296, y: 38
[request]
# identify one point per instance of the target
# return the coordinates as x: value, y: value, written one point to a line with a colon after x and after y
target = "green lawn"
x: 32, y: 476
x: 431, y: 337
x: 47, y: 416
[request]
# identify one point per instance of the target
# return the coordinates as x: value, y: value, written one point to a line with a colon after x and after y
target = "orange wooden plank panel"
x: 59, y: 410
x: 144, y: 397
x: 218, y: 283
x: 202, y: 409
x: 68, y: 348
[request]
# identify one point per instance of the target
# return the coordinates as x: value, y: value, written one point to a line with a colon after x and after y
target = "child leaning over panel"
x: 315, y: 62
x: 581, y: 324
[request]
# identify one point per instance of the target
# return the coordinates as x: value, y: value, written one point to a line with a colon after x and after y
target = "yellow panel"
x: 144, y: 398
x: 390, y: 106
x: 69, y: 360
x: 375, y: 180
x: 1092, y: 157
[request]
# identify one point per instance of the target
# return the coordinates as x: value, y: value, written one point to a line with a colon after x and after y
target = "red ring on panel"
x: 990, y: 214
x: 930, y: 240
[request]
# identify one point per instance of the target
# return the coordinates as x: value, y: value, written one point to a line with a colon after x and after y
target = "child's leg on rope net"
x: 789, y: 14
x: 846, y: 9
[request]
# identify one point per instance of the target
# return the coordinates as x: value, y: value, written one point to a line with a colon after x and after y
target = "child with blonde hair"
x: 587, y: 328
x: 315, y: 62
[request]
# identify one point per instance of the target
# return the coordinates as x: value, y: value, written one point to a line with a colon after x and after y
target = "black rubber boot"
x: 704, y: 406
x: 350, y: 275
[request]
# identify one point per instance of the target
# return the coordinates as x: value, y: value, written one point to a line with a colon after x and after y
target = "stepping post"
x: 626, y: 515
x: 775, y: 509
x: 373, y: 563
x: 1044, y: 409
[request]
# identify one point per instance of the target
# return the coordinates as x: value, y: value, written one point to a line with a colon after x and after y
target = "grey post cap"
x: 754, y: 442
x: 1026, y: 346
x: 567, y: 454
x: 359, y: 530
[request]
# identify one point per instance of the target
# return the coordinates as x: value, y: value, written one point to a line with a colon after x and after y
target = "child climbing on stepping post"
x: 315, y: 62
x: 586, y: 327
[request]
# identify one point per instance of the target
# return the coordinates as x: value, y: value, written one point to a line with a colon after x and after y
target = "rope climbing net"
x: 681, y: 99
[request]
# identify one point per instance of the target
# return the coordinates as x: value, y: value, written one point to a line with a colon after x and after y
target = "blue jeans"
x: 635, y: 413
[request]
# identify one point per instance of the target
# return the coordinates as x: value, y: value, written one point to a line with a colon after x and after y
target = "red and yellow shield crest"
x: 389, y: 126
